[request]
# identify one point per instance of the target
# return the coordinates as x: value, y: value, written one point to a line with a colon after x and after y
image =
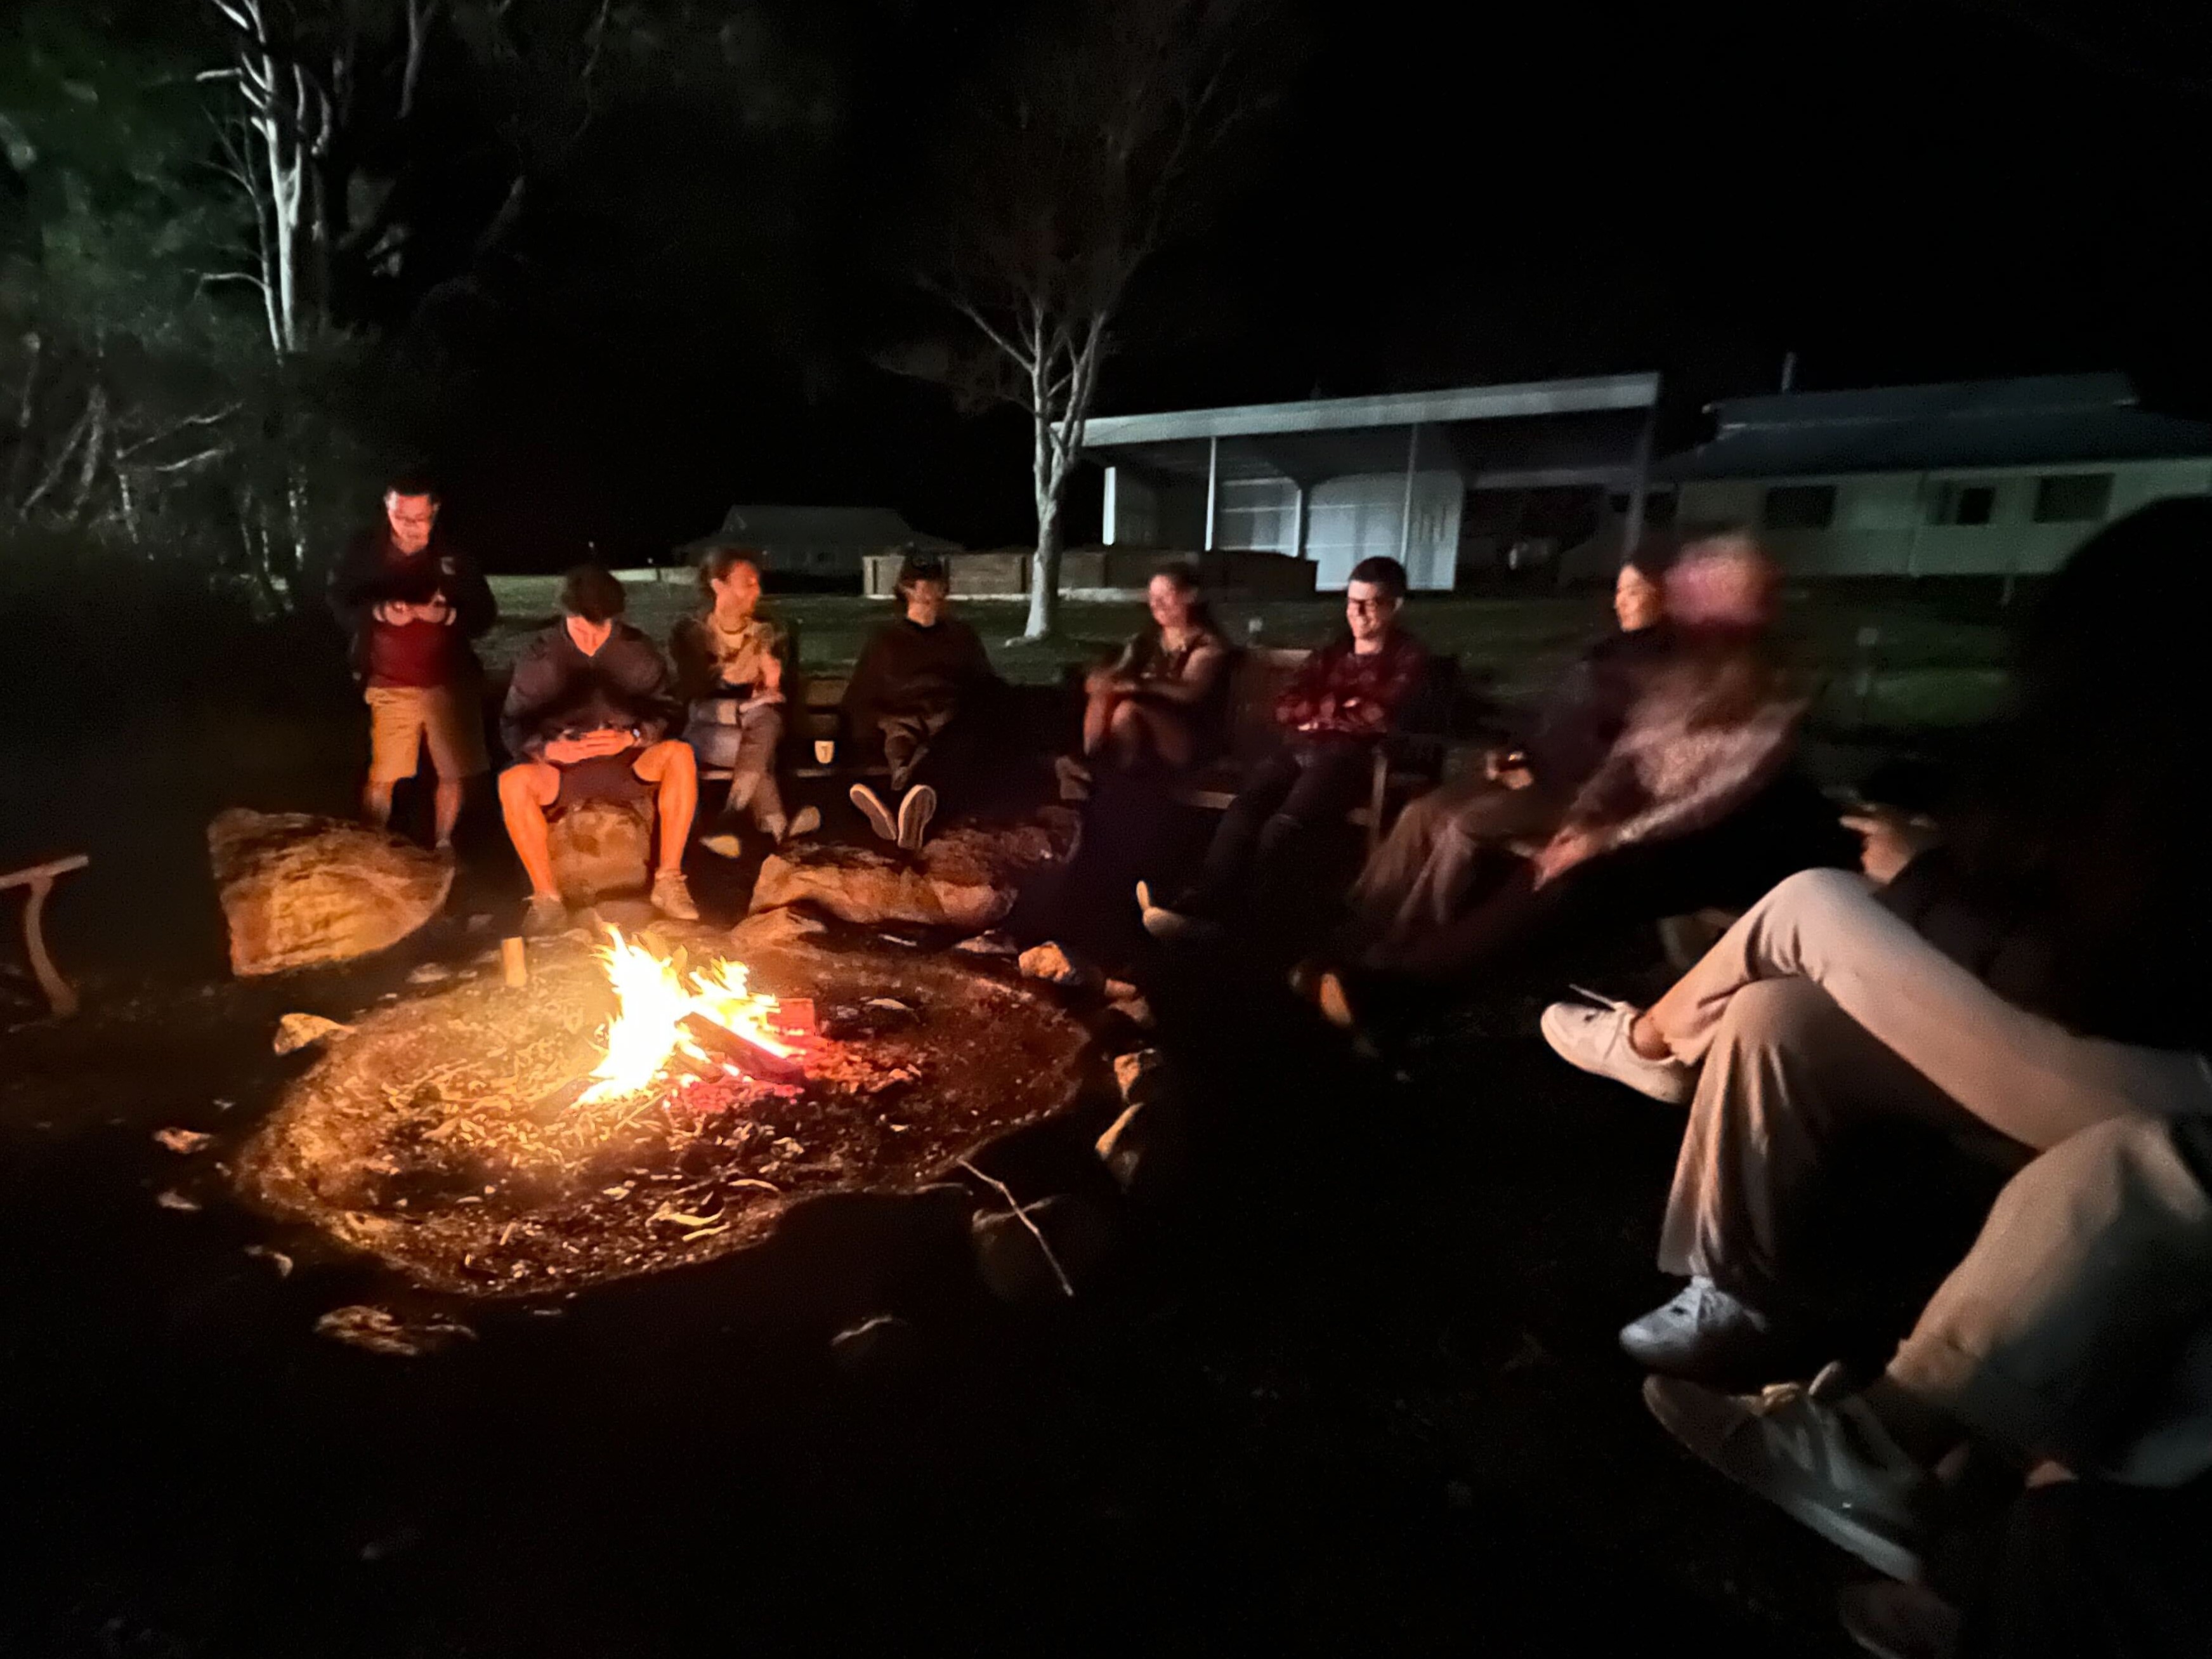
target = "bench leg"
x: 59, y: 996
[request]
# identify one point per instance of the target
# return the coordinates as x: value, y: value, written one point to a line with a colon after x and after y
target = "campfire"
x: 672, y: 1026
x: 649, y: 1102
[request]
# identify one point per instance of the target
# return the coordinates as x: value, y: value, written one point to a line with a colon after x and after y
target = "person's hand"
x: 1509, y: 767
x: 1890, y: 840
x: 566, y: 751
x: 1562, y: 852
x: 436, y: 611
x: 392, y: 612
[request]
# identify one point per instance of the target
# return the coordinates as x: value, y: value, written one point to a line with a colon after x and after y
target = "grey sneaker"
x: 671, y: 896
x: 1817, y: 1453
x: 546, y: 916
x: 1706, y: 1335
x: 915, y: 811
x: 872, y: 808
x: 1596, y: 1040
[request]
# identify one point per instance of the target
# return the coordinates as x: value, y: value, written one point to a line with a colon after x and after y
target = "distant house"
x: 1977, y: 478
x: 821, y: 542
x: 1444, y: 481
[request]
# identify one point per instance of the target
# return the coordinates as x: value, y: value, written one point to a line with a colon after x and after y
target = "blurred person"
x: 411, y: 602
x: 730, y: 661
x: 923, y: 692
x: 1162, y: 701
x: 1343, y: 702
x: 1691, y: 806
x: 586, y: 717
x: 1428, y: 864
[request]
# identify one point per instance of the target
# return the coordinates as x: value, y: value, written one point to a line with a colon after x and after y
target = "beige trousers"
x: 1819, y: 1010
x: 2079, y: 1327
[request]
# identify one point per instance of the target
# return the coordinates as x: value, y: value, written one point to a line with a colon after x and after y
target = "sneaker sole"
x: 1877, y: 1549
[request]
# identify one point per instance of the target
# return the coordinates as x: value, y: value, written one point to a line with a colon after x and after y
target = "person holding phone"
x: 586, y: 718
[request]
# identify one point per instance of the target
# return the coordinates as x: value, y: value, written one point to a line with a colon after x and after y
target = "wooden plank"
x: 45, y: 872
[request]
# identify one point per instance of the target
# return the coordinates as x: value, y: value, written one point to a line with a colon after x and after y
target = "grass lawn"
x: 1919, y: 670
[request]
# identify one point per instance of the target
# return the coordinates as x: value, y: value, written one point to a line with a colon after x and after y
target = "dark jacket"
x: 558, y: 691
x: 369, y: 572
x: 1577, y: 725
x: 906, y: 669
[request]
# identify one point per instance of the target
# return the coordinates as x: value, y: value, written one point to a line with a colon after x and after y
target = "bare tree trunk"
x: 1044, y: 568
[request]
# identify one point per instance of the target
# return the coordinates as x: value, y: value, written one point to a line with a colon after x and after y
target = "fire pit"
x: 646, y: 1103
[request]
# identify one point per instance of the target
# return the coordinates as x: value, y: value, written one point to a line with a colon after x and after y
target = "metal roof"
x: 1524, y: 435
x: 2032, y: 421
x: 1392, y: 408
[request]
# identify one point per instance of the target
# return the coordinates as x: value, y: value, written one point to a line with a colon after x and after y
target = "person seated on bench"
x: 2041, y: 971
x: 730, y: 666
x: 1423, y: 872
x: 1343, y: 702
x: 584, y: 716
x: 922, y: 691
x: 1161, y: 704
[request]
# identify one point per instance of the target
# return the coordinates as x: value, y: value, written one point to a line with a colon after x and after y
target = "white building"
x: 1340, y: 479
x: 1980, y: 478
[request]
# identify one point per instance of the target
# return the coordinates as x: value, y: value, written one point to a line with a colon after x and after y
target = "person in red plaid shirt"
x: 1342, y: 703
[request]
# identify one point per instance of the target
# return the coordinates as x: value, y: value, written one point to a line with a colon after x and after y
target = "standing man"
x: 411, y: 602
x: 1344, y: 700
x: 586, y: 717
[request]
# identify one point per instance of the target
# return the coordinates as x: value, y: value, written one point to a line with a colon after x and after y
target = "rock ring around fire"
x: 444, y: 1137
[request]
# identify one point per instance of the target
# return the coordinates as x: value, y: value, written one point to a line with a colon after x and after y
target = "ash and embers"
x: 447, y: 1136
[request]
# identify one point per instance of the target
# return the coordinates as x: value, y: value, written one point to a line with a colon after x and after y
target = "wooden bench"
x: 1409, y: 762
x: 40, y: 879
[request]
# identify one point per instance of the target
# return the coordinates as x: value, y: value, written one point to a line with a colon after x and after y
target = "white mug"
x: 825, y: 750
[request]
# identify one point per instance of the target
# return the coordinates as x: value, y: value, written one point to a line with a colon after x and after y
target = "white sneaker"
x: 915, y: 811
x: 1596, y: 1040
x: 1815, y: 1452
x: 671, y: 896
x: 804, y: 822
x: 872, y: 808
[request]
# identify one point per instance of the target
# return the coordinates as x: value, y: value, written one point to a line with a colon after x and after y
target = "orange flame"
x: 651, y: 996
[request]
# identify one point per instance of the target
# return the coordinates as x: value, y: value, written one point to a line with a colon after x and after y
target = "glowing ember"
x: 653, y: 996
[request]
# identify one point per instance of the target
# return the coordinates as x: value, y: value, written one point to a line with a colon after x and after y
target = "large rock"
x: 965, y: 879
x: 299, y: 891
x: 602, y: 850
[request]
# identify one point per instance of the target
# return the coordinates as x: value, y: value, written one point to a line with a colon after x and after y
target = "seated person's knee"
x: 528, y: 782
x: 1775, y: 1013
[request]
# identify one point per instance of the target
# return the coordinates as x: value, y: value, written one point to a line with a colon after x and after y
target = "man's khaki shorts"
x: 402, y: 719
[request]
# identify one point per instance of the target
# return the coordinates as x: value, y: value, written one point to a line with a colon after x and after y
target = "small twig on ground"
x: 1021, y: 1215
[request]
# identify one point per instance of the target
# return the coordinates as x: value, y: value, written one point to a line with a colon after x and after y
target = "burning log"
x: 741, y: 1051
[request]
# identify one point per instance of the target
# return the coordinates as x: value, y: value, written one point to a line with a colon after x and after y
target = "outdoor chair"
x: 38, y: 883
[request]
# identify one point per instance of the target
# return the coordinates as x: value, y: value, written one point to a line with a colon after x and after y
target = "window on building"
x: 2073, y: 497
x: 1800, y: 507
x: 1963, y: 503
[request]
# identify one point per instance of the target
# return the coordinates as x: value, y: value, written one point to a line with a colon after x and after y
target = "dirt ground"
x: 1360, y: 1396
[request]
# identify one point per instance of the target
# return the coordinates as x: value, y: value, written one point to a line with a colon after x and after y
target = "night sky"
x: 1444, y: 194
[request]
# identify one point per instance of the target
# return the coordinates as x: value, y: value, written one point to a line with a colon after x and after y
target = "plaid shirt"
x: 1340, y: 694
